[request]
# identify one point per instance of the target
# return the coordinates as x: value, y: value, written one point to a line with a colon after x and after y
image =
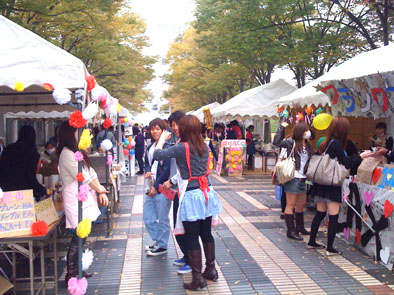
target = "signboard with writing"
x: 236, y: 143
x: 45, y: 211
x: 219, y: 163
x: 16, y: 213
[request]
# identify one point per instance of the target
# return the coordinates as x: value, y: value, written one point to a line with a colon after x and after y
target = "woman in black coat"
x: 18, y: 164
x: 329, y: 198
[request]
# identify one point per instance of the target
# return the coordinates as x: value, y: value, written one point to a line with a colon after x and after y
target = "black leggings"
x: 74, y: 241
x: 194, y: 230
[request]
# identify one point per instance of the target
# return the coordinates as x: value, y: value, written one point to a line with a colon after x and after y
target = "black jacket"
x: 18, y: 168
x: 288, y: 144
x: 279, y: 136
x: 163, y: 168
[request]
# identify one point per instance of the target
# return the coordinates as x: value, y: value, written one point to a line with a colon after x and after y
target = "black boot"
x: 291, y: 232
x: 300, y: 226
x: 72, y: 263
x: 195, y: 262
x: 210, y: 272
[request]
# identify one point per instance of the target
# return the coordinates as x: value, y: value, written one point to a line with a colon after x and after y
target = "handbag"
x: 285, y: 168
x: 326, y: 171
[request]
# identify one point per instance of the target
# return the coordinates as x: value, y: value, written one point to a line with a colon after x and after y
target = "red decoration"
x: 376, y: 175
x: 91, y: 82
x: 335, y: 97
x: 103, y: 103
x: 76, y: 120
x: 125, y: 152
x: 358, y: 237
x: 39, y: 228
x: 388, y: 208
x: 279, y: 109
x: 80, y: 177
x: 309, y: 110
x: 107, y: 123
x: 48, y: 86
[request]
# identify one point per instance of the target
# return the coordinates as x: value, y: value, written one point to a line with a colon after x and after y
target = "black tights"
x: 332, y: 229
x: 194, y: 230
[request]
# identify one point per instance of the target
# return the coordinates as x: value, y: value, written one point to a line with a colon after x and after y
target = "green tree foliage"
x: 106, y: 35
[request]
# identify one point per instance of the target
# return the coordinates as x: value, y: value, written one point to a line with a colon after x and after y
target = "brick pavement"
x: 253, y: 254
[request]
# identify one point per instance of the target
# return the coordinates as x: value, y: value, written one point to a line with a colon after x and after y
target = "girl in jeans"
x: 199, y: 205
x: 156, y: 205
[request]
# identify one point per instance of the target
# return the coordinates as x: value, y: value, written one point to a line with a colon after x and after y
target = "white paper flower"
x: 1, y: 193
x: 87, y: 259
x: 90, y: 111
x: 106, y: 145
x: 97, y: 92
x: 61, y: 95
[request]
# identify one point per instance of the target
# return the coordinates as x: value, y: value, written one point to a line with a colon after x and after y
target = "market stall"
x: 255, y: 106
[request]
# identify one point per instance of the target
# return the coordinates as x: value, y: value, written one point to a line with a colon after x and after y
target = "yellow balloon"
x: 118, y: 108
x: 126, y: 120
x: 322, y: 121
x: 19, y: 86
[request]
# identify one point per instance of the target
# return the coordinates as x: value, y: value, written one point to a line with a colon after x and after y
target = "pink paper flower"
x: 109, y: 160
x: 83, y: 192
x: 77, y: 287
x: 78, y: 156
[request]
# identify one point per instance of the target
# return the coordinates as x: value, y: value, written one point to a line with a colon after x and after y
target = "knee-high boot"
x: 291, y: 232
x: 300, y: 226
x: 195, y: 262
x: 72, y: 263
x: 210, y: 272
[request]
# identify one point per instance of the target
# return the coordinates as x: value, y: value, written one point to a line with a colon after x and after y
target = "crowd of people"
x: 173, y: 157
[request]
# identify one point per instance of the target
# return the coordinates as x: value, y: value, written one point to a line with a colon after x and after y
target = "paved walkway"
x: 253, y: 254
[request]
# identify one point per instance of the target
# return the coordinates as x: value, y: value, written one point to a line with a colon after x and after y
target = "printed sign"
x: 45, y: 211
x: 16, y: 213
x: 236, y: 143
x: 386, y: 180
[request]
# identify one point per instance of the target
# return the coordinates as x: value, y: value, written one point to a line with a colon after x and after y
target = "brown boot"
x: 72, y: 263
x: 210, y: 272
x: 291, y: 233
x: 195, y: 262
x: 300, y: 227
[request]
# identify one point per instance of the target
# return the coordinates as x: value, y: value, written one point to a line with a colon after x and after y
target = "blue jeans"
x: 156, y: 218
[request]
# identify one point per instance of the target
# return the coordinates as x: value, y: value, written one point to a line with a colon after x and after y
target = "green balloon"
x: 321, y: 139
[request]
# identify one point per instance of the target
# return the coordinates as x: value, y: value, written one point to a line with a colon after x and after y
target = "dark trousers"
x: 283, y: 202
x: 250, y: 162
x: 140, y: 162
x: 195, y: 229
x: 180, y: 239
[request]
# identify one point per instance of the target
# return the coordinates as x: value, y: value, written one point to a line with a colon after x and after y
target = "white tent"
x: 200, y: 112
x: 38, y: 115
x: 257, y: 102
x: 371, y: 62
x: 124, y: 112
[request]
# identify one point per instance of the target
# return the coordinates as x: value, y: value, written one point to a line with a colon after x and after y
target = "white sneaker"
x: 156, y: 252
x: 151, y: 247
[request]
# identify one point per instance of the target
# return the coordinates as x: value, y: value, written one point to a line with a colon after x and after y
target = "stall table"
x: 25, y: 246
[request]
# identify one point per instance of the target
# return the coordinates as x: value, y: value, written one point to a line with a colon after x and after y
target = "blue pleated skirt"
x: 194, y: 207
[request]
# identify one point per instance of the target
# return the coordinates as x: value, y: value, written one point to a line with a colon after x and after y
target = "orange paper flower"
x: 39, y: 228
x: 91, y: 82
x: 76, y: 120
x: 80, y: 177
x: 107, y: 123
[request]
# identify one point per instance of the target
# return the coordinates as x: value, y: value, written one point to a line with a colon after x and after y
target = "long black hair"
x: 66, y: 138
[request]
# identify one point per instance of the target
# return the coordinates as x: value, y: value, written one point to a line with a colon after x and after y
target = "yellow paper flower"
x: 234, y: 166
x: 211, y: 166
x: 19, y: 86
x: 84, y: 228
x: 118, y: 106
x: 85, y: 140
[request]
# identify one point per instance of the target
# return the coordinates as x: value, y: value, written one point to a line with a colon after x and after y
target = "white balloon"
x: 61, y: 95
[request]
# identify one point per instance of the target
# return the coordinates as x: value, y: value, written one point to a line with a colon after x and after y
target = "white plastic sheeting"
x: 200, y: 112
x: 257, y: 102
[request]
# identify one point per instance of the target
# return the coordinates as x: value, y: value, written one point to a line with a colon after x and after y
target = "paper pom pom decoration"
x: 76, y: 120
x: 125, y: 152
x: 86, y: 140
x: 87, y: 259
x: 109, y: 160
x: 39, y: 228
x: 106, y: 145
x: 118, y: 108
x: 84, y: 228
x: 48, y: 86
x: 107, y: 123
x: 103, y: 103
x: 90, y: 111
x: 78, y: 156
x: 309, y: 110
x: 132, y: 152
x: 300, y: 117
x: 77, y: 287
x: 322, y: 121
x: 83, y: 193
x: 79, y: 177
x: 91, y: 81
x: 19, y: 86
x: 279, y: 109
x: 98, y: 92
x: 61, y: 96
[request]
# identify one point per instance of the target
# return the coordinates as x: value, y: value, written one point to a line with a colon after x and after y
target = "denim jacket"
x: 163, y: 168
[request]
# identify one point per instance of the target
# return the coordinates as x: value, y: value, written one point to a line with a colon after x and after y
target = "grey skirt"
x: 295, y: 186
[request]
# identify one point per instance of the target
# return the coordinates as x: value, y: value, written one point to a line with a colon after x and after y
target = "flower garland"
x: 84, y: 228
x: 80, y: 177
x: 107, y: 123
x: 76, y: 120
x: 77, y: 287
x: 83, y: 193
x: 78, y: 156
x: 86, y: 140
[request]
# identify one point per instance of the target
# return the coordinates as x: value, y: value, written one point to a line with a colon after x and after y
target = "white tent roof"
x: 38, y: 115
x: 370, y: 62
x: 260, y: 101
x: 124, y: 112
x: 200, y: 112
x: 32, y: 60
